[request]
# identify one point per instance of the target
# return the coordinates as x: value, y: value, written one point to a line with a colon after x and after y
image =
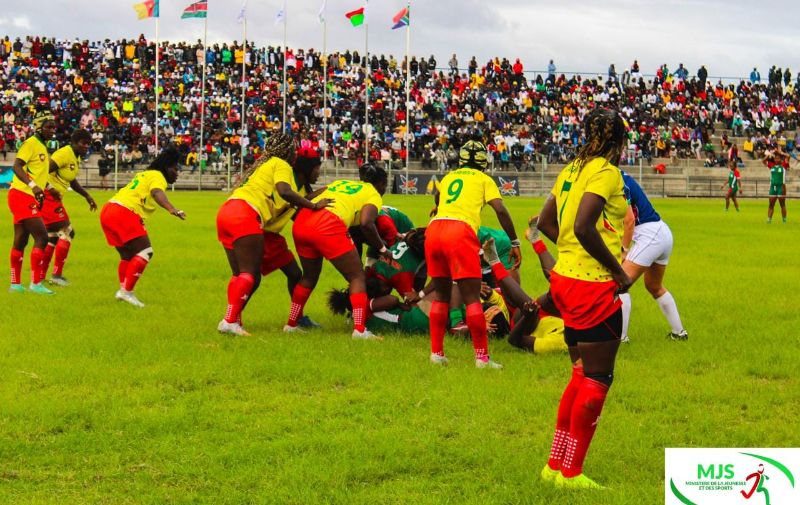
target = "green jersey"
x: 400, y: 271
x: 401, y: 221
x: 777, y: 175
x: 733, y: 180
x: 413, y: 321
x: 501, y: 242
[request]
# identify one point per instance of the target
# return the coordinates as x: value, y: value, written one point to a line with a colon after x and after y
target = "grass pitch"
x: 104, y: 403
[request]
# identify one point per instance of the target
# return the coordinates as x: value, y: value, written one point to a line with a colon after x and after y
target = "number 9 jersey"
x: 462, y: 195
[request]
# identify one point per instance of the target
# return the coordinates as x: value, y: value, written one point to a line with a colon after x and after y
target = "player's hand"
x: 623, y: 281
x: 515, y: 256
x: 411, y: 298
x: 55, y: 194
x: 486, y: 291
x: 38, y: 193
x: 385, y: 254
x: 92, y: 203
x: 531, y: 307
x: 179, y: 214
x: 323, y: 204
x: 433, y: 211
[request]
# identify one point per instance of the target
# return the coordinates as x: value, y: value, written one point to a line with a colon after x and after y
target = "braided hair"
x: 278, y: 145
x: 372, y: 174
x: 306, y: 161
x: 605, y: 137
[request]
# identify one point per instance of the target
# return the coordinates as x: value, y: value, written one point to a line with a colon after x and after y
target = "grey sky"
x: 730, y: 37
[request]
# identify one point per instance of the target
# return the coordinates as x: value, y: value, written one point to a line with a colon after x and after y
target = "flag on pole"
x: 242, y: 13
x: 196, y: 10
x: 280, y: 17
x: 146, y: 9
x: 401, y: 19
x: 356, y: 17
x: 321, y: 13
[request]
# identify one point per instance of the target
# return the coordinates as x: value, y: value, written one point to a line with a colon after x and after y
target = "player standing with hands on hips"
x: 452, y: 249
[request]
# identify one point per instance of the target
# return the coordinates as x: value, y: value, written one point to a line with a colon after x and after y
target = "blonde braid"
x: 278, y: 145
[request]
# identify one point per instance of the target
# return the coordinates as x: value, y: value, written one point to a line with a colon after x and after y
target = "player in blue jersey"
x: 647, y: 254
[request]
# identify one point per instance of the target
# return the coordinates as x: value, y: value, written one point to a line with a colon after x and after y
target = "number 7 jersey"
x: 349, y: 197
x: 462, y: 195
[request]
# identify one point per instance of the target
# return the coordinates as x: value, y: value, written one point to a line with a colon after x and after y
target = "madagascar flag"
x: 196, y: 10
x: 356, y: 17
x: 146, y: 9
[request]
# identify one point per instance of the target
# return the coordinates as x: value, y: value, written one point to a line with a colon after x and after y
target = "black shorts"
x: 606, y: 331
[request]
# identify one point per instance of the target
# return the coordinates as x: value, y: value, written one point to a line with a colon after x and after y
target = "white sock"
x: 626, y: 312
x: 667, y: 305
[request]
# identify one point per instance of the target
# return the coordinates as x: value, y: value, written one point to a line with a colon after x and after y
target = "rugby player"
x: 777, y: 165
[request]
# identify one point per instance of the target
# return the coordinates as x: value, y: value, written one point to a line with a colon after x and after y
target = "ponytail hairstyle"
x: 278, y: 145
x: 605, y: 137
x: 372, y: 174
x: 168, y: 158
x: 339, y: 301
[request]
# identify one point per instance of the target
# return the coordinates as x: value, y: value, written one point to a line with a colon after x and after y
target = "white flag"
x: 242, y: 13
x: 280, y: 17
x: 321, y: 13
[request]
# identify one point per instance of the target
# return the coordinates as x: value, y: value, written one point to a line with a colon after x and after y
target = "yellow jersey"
x: 259, y: 189
x: 282, y: 211
x: 37, y: 164
x: 350, y: 197
x: 136, y: 196
x: 68, y: 167
x: 462, y: 195
x: 602, y: 178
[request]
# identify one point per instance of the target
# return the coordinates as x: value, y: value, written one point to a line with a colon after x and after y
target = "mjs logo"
x: 731, y: 476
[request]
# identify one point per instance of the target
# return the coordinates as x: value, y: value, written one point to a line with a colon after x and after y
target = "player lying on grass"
x: 323, y: 234
x: 405, y: 263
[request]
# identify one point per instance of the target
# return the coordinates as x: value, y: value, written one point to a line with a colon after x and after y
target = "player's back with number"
x: 136, y: 195
x: 349, y: 197
x: 462, y: 195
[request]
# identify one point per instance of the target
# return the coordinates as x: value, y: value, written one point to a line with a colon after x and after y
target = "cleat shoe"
x: 625, y: 339
x: 16, y: 288
x: 365, y: 335
x: 58, y: 280
x: 439, y: 359
x: 232, y: 328
x: 490, y: 252
x: 461, y: 327
x: 580, y: 481
x: 307, y: 322
x: 683, y: 335
x: 39, y: 289
x: 548, y: 474
x: 485, y: 362
x: 532, y: 232
x: 128, y: 297
x: 293, y: 329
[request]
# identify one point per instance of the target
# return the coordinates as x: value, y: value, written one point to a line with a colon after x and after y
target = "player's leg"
x: 653, y: 282
x: 36, y: 229
x: 735, y: 199
x: 349, y: 265
x: 782, y: 202
x: 727, y: 200
x: 438, y: 317
x: 21, y: 236
x: 245, y: 262
x: 470, y: 289
x: 546, y: 260
x: 312, y: 268
x: 60, y: 237
x: 634, y: 271
x: 138, y: 253
x: 771, y: 208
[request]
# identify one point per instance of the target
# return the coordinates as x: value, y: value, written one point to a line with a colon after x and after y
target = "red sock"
x: 62, y: 250
x: 583, y: 423
x: 48, y: 256
x: 122, y: 271
x: 16, y: 265
x: 359, y: 303
x: 37, y: 265
x: 136, y: 266
x: 500, y: 272
x: 299, y: 298
x: 562, y: 421
x: 476, y: 323
x: 539, y: 247
x: 438, y: 318
x: 239, y: 289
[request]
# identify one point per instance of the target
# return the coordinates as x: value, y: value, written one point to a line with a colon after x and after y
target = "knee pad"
x: 605, y: 378
x: 52, y: 237
x: 66, y: 234
x: 146, y: 254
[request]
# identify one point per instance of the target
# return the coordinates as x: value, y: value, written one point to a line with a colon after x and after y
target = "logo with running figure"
x: 731, y: 476
x: 408, y: 185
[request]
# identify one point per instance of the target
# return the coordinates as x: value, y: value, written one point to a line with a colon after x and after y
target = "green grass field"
x: 104, y: 403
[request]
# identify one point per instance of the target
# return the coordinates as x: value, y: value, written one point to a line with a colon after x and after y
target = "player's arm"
x: 435, y: 208
x: 368, y: 215
x: 161, y: 199
x: 627, y: 232
x: 287, y: 193
x: 386, y: 302
x: 386, y: 228
x: 508, y: 226
x: 585, y: 229
x: 76, y: 187
x: 548, y: 222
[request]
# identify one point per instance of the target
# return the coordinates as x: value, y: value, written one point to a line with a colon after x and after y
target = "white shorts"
x: 652, y: 243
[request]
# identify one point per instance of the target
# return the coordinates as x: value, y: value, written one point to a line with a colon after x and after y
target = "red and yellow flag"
x: 146, y: 9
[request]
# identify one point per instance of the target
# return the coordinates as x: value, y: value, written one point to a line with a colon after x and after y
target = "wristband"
x: 383, y: 249
x: 515, y: 243
x: 421, y: 294
x: 32, y: 184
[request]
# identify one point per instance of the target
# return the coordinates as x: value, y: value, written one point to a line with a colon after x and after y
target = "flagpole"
x: 367, y: 71
x: 325, y: 87
x: 157, y: 51
x: 283, y: 124
x: 202, y: 151
x: 408, y: 88
x: 244, y: 97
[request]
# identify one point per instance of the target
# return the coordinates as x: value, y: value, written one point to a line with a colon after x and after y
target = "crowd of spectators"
x: 107, y: 87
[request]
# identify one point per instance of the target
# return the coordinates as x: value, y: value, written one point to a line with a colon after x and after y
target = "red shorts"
x: 321, y: 234
x: 23, y: 206
x: 583, y: 304
x: 452, y: 250
x: 276, y: 253
x: 53, y: 210
x: 120, y: 224
x: 236, y: 219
